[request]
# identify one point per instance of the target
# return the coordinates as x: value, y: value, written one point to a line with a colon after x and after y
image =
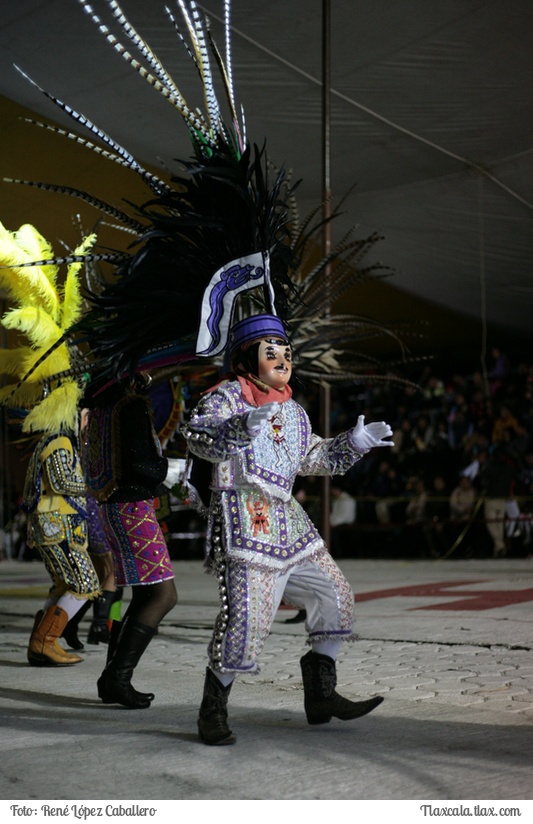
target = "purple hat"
x: 257, y: 326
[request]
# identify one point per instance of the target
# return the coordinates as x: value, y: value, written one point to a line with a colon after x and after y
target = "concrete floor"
x: 448, y: 644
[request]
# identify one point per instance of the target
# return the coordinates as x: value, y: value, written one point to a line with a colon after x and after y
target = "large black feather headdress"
x: 222, y: 226
x: 220, y: 210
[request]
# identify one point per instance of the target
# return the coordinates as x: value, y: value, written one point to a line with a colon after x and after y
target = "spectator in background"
x: 524, y: 478
x: 496, y: 480
x: 459, y: 424
x: 462, y: 500
x: 462, y: 507
x: 415, y: 515
x: 415, y: 511
x: 403, y: 446
x: 437, y: 517
x: 386, y: 487
x: 526, y: 515
x: 343, y: 515
x: 499, y: 371
x: 422, y: 433
x: 516, y: 444
x: 505, y: 420
x: 422, y: 436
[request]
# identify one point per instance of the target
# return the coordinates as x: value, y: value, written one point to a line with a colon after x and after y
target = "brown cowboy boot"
x: 322, y: 703
x: 37, y: 620
x: 43, y: 649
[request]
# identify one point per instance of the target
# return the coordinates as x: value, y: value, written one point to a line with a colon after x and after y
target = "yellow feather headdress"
x: 42, y: 310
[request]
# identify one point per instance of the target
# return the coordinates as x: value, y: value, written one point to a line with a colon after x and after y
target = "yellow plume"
x: 60, y: 407
x: 30, y: 285
x: 26, y: 396
x: 42, y: 312
x: 38, y: 326
x: 36, y: 247
x: 12, y: 360
x: 72, y: 300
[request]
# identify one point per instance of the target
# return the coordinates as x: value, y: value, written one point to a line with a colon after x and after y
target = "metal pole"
x: 325, y: 392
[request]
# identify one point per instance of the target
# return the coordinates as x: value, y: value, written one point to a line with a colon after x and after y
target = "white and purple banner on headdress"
x: 230, y: 280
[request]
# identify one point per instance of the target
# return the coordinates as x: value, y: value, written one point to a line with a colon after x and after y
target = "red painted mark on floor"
x: 471, y: 599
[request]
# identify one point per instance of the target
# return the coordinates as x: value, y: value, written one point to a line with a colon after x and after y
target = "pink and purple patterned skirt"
x: 140, y: 554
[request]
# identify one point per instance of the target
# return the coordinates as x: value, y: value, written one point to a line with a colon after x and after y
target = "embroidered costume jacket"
x: 252, y: 478
x: 54, y: 494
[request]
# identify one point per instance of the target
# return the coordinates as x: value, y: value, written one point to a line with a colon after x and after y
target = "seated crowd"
x: 459, y: 479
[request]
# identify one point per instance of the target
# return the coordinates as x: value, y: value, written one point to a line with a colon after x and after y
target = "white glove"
x: 175, y: 471
x: 362, y: 438
x: 256, y: 418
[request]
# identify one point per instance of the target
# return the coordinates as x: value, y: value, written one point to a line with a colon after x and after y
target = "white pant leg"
x: 254, y: 595
x: 318, y: 586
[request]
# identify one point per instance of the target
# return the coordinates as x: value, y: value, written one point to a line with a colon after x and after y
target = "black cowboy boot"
x: 322, y: 703
x: 70, y: 633
x: 114, y: 636
x: 99, y: 630
x: 213, y: 718
x: 114, y: 684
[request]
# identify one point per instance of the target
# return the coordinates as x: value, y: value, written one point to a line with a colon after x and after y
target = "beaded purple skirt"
x: 98, y: 543
x: 140, y: 554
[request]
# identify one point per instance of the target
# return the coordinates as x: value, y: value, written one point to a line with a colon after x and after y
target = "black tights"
x: 149, y: 604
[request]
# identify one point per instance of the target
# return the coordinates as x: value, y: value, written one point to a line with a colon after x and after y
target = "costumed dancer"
x: 110, y: 595
x: 102, y: 558
x: 261, y: 543
x: 55, y: 503
x: 100, y: 551
x: 124, y: 468
x: 226, y: 225
x: 54, y: 491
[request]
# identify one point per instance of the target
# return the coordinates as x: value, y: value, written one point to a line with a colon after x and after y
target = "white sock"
x: 70, y: 604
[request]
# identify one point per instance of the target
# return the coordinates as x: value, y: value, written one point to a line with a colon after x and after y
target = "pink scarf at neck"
x: 257, y: 396
x: 252, y: 393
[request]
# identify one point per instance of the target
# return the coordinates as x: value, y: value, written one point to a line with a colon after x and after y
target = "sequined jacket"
x: 123, y: 460
x: 252, y: 507
x: 54, y: 494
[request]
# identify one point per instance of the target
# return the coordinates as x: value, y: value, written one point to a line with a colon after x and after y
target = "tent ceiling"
x: 431, y: 118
